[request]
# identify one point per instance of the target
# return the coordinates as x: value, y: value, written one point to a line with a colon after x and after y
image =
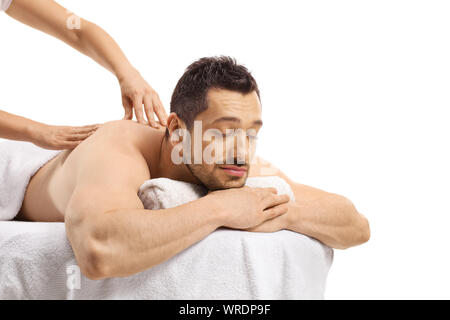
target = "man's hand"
x: 275, y: 224
x: 59, y: 137
x: 249, y: 207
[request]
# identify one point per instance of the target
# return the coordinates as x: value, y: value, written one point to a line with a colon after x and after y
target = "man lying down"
x: 209, y: 140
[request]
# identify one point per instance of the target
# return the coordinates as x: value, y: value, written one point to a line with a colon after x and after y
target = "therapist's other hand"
x: 136, y: 92
x: 60, y: 137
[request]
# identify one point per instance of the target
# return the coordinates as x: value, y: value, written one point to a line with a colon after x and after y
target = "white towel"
x: 37, y: 262
x: 19, y: 161
x: 4, y: 4
x: 163, y: 193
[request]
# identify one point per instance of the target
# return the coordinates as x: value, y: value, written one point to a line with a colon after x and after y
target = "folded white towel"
x: 19, y: 161
x: 163, y: 193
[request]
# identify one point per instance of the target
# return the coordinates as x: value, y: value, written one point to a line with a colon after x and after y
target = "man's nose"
x: 239, y: 149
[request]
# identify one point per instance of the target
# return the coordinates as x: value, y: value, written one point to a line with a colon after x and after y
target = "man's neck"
x: 163, y: 166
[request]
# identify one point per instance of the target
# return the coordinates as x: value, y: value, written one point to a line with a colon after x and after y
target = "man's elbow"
x: 360, y: 228
x: 92, y: 262
x: 88, y: 242
x: 365, y: 230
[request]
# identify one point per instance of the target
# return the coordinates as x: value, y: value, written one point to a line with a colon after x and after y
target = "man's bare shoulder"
x: 119, y: 129
x: 126, y: 133
x: 109, y: 154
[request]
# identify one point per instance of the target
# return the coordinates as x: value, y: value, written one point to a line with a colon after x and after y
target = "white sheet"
x: 35, y: 258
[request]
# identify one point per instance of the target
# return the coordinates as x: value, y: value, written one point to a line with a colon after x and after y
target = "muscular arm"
x: 112, y: 235
x: 84, y: 36
x: 328, y: 217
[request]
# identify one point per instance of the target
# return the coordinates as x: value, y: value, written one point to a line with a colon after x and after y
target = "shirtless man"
x: 94, y: 187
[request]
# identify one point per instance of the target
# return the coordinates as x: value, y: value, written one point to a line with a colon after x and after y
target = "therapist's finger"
x: 128, y: 109
x: 148, y: 106
x: 78, y: 136
x: 70, y: 145
x: 86, y: 129
x: 159, y: 110
x: 137, y: 105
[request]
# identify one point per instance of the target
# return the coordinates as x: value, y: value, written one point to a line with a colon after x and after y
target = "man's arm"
x: 123, y: 241
x: 328, y: 217
x: 110, y: 231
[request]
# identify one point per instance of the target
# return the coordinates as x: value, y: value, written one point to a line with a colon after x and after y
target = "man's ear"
x: 174, y: 125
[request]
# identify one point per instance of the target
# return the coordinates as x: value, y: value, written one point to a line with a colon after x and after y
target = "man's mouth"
x: 234, y: 170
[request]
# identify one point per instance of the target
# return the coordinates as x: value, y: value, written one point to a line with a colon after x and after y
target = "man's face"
x: 228, y: 129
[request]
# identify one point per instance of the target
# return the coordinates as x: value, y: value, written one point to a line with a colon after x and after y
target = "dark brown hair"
x: 221, y: 72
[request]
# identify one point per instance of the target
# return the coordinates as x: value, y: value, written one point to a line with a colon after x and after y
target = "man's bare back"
x: 51, y: 188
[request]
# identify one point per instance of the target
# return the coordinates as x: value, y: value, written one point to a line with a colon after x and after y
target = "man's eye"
x: 230, y: 134
x: 233, y: 133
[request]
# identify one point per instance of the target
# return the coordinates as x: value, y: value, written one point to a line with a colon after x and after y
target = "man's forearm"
x: 127, y: 241
x: 331, y: 219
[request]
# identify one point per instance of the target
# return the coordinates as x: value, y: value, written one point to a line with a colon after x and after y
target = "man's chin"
x: 228, y: 184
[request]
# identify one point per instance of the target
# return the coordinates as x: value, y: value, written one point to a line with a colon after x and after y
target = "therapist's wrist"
x: 33, y: 132
x: 125, y: 71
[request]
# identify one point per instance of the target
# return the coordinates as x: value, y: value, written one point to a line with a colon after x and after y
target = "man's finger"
x: 275, y: 211
x: 269, y: 190
x: 266, y: 192
x: 274, y: 200
x: 148, y: 106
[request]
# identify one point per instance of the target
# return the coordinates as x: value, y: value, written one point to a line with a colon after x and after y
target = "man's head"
x: 223, y: 99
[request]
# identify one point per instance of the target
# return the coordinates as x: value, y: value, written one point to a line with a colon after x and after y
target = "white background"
x: 355, y: 101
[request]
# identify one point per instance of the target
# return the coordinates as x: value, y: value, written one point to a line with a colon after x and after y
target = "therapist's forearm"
x: 15, y: 127
x: 84, y: 36
x: 94, y: 42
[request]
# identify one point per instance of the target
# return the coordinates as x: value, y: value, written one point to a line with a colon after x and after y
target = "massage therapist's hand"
x: 59, y: 137
x: 137, y: 92
x: 247, y: 207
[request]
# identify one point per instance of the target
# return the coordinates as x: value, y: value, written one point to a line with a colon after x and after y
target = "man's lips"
x: 234, y: 168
